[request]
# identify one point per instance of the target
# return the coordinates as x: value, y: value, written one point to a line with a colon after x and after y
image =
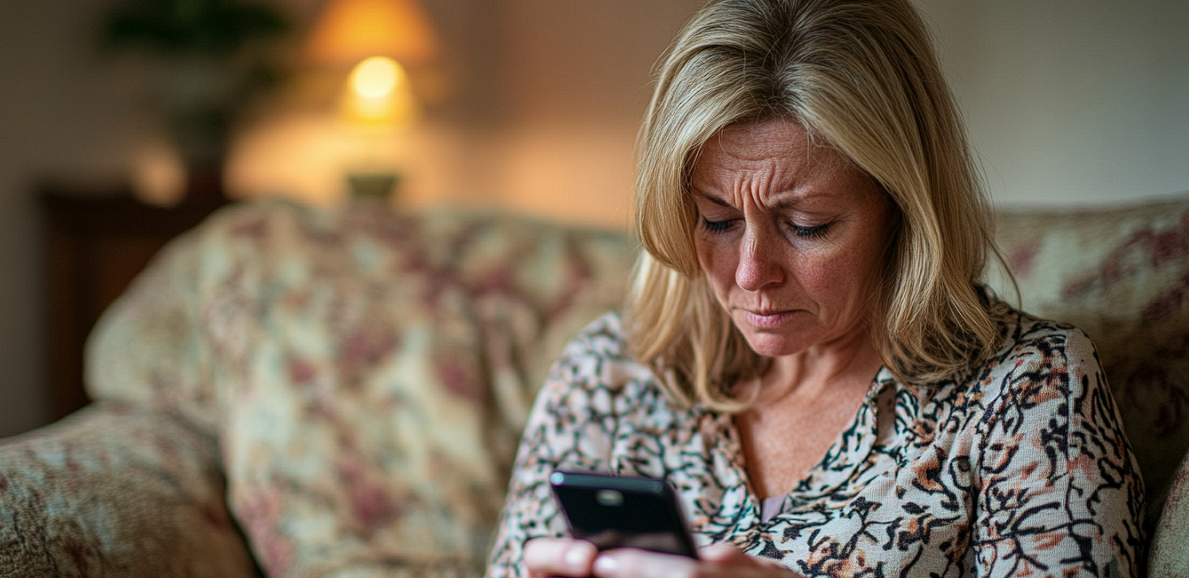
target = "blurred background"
x: 528, y: 105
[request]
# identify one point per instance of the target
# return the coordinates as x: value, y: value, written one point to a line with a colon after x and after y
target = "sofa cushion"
x: 1121, y: 274
x: 150, y: 347
x: 1169, y: 556
x: 117, y: 491
x: 373, y: 370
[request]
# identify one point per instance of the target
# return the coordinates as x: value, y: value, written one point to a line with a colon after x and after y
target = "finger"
x: 559, y: 557
x: 728, y: 556
x: 722, y: 553
x: 634, y: 563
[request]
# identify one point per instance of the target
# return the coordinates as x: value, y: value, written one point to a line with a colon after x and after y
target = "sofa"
x: 310, y: 392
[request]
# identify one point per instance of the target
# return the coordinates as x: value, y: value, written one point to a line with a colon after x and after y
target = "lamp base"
x: 372, y: 185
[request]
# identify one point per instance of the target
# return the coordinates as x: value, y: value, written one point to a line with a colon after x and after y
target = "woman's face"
x: 790, y: 236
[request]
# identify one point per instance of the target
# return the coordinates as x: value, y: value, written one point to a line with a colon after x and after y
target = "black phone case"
x: 623, y: 512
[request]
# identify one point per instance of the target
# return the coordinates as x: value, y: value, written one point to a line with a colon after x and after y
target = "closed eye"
x: 717, y: 226
x: 813, y: 232
x: 802, y: 231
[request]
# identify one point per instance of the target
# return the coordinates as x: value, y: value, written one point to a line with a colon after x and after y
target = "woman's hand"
x: 547, y: 557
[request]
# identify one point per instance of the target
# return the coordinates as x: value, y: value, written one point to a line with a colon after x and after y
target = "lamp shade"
x: 347, y: 31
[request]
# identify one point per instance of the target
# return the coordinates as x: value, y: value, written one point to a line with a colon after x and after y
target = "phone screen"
x: 623, y: 512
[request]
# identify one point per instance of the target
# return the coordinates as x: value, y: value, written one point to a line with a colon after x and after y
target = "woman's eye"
x: 715, y: 226
x: 809, y: 232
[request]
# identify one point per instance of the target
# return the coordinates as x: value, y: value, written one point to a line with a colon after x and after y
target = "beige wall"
x: 542, y: 113
x: 1069, y: 102
x: 1072, y: 101
x: 60, y: 116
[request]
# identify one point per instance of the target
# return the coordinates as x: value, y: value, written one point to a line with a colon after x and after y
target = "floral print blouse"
x: 1021, y: 469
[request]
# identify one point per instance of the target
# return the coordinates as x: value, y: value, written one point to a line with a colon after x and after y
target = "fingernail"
x: 606, y: 565
x: 576, y: 557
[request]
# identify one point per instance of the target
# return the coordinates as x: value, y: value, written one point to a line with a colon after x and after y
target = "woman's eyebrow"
x: 786, y: 202
x: 713, y: 199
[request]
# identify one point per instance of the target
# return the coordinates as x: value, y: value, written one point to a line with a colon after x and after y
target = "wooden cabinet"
x: 95, y: 245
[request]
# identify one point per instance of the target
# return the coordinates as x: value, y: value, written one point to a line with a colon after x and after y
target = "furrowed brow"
x: 785, y: 203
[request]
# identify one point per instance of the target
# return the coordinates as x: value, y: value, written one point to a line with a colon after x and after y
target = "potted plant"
x: 213, y: 60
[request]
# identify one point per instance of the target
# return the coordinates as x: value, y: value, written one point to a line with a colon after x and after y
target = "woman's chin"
x: 769, y: 345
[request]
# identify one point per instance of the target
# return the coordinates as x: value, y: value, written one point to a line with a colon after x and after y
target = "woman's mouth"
x: 767, y: 319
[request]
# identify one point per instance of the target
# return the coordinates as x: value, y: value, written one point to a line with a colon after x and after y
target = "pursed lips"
x: 766, y: 318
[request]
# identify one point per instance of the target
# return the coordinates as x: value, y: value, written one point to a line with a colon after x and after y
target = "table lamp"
x: 376, y: 40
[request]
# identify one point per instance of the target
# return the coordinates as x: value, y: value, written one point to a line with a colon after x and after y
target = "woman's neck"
x: 849, y: 363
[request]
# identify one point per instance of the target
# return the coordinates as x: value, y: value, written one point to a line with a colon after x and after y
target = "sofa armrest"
x: 116, y: 490
x: 1169, y: 555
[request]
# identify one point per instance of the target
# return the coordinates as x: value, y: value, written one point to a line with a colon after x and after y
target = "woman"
x: 807, y: 354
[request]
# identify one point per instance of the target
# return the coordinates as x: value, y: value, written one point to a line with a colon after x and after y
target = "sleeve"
x: 570, y: 427
x: 1059, y: 492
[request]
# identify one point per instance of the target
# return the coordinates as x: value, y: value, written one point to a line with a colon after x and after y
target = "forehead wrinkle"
x: 806, y: 155
x: 785, y: 198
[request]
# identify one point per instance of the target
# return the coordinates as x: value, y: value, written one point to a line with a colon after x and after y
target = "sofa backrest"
x: 367, y: 373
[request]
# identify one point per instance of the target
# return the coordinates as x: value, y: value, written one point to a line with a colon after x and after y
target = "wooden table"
x: 96, y: 243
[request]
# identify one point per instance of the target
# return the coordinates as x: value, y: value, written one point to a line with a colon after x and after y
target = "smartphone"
x: 623, y: 512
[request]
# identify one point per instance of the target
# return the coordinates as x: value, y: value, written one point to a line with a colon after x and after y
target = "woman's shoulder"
x: 1027, y: 337
x: 602, y: 338
x: 597, y: 362
x: 1039, y: 360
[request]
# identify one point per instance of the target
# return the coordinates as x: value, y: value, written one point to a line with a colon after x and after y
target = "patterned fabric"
x: 1022, y: 469
x: 1122, y: 275
x: 368, y: 374
x: 117, y: 491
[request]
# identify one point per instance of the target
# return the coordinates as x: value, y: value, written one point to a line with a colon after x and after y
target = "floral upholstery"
x: 367, y: 375
x: 1169, y: 556
x: 302, y: 392
x: 117, y: 490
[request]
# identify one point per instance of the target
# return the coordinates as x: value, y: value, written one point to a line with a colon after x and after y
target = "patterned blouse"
x: 1022, y: 469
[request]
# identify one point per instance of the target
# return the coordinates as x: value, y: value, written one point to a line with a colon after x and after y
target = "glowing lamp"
x: 378, y: 39
x: 378, y: 94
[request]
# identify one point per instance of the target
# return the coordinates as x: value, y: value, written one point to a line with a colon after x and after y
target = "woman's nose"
x: 759, y: 260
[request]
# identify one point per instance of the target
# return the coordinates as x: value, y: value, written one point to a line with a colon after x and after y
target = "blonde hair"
x: 862, y: 77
